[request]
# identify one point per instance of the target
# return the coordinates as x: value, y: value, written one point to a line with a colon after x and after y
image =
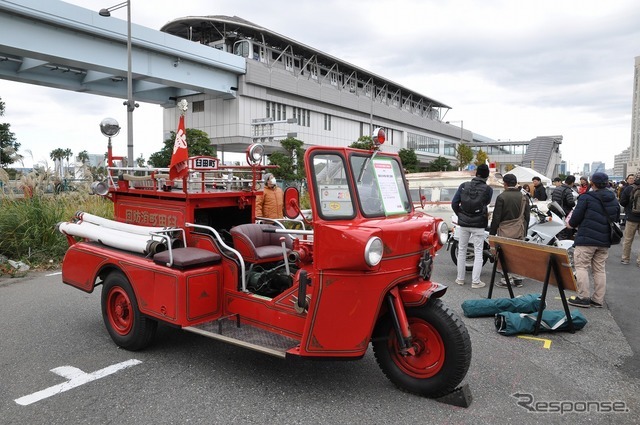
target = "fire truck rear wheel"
x: 442, y: 345
x: 127, y: 327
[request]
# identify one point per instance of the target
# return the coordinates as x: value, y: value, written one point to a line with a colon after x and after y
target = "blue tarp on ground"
x: 528, y: 303
x: 508, y: 323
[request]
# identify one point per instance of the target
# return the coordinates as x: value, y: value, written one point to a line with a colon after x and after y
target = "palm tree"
x: 56, y: 156
x: 68, y: 154
x: 83, y: 157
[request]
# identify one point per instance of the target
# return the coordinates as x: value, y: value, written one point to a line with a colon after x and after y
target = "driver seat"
x: 258, y: 243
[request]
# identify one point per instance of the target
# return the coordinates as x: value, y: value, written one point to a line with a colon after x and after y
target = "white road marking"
x: 76, y: 377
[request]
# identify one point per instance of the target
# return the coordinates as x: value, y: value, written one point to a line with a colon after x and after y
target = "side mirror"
x: 291, y: 203
x: 423, y: 198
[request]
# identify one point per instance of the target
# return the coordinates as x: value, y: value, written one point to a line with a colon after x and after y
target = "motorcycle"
x: 543, y: 229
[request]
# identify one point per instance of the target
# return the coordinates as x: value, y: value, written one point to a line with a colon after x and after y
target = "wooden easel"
x: 547, y: 264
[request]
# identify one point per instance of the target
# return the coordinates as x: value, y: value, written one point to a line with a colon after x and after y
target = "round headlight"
x: 373, y: 251
x: 443, y: 232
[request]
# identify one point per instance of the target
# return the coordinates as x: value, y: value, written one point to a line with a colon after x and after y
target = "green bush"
x: 27, y: 225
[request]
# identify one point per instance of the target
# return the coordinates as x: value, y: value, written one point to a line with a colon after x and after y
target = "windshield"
x: 380, y: 190
x: 332, y: 183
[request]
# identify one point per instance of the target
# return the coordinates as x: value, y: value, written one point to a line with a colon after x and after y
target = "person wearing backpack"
x: 591, y: 217
x: 563, y: 195
x: 470, y: 203
x: 630, y: 200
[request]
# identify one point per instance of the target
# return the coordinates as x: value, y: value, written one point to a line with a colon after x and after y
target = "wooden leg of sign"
x: 493, y: 273
x: 543, y: 298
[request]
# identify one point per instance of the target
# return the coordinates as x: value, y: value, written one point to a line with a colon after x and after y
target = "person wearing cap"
x: 271, y: 203
x: 510, y: 204
x: 539, y: 191
x: 472, y: 220
x: 592, y: 240
x: 632, y: 225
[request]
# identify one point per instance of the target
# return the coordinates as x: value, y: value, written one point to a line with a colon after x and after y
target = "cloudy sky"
x: 511, y: 70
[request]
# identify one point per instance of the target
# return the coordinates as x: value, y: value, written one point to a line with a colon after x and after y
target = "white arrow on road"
x: 76, y: 377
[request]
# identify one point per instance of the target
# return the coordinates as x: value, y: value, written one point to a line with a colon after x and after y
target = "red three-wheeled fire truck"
x: 354, y: 270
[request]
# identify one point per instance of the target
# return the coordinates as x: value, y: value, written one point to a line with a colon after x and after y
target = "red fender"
x: 418, y: 293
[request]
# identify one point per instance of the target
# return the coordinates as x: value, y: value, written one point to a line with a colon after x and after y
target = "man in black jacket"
x: 564, y: 196
x: 592, y: 240
x: 632, y: 225
x: 539, y: 191
x: 470, y: 205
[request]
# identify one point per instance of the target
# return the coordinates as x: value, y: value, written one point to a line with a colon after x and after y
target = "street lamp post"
x: 129, y: 103
x: 461, y: 132
x: 461, y: 128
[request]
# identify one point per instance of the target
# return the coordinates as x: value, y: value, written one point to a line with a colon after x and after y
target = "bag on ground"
x: 528, y: 303
x: 508, y: 323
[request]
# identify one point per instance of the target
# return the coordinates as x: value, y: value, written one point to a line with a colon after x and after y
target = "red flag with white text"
x: 179, y: 167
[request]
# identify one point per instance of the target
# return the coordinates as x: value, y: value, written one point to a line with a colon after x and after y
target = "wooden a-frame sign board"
x: 544, y: 263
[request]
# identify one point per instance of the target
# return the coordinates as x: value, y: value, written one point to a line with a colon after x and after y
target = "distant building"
x: 586, y: 170
x: 620, y: 163
x: 597, y: 167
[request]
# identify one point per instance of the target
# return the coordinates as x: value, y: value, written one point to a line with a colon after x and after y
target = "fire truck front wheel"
x: 441, y: 351
x: 128, y: 328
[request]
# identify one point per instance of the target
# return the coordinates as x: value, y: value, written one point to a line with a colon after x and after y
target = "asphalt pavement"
x: 590, y: 376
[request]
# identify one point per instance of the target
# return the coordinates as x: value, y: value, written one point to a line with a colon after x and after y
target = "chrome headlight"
x: 373, y: 251
x: 443, y: 232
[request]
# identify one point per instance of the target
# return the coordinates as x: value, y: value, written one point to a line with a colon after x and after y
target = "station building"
x: 291, y: 89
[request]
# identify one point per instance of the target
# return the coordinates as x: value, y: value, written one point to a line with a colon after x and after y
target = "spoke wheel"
x: 468, y: 263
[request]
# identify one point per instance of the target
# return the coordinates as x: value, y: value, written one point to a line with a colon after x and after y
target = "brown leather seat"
x: 258, y: 246
x: 187, y: 257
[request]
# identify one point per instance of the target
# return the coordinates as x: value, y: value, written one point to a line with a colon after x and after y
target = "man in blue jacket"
x: 592, y: 240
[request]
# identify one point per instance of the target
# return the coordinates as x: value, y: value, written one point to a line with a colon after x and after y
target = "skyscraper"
x: 634, y: 154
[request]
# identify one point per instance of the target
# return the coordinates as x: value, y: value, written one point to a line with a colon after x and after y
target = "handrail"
x: 224, y: 245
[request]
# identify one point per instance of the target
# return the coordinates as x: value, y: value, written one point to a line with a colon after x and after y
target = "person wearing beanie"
x: 470, y: 203
x: 592, y: 240
x: 271, y: 203
x: 632, y: 224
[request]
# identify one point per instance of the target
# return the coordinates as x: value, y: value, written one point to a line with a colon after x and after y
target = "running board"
x: 232, y: 331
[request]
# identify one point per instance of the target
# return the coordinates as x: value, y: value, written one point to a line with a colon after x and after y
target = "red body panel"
x: 346, y: 296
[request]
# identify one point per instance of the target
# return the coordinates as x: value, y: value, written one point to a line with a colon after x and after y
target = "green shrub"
x: 28, y: 225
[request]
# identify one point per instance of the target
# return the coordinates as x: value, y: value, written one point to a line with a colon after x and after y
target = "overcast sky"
x: 510, y: 70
